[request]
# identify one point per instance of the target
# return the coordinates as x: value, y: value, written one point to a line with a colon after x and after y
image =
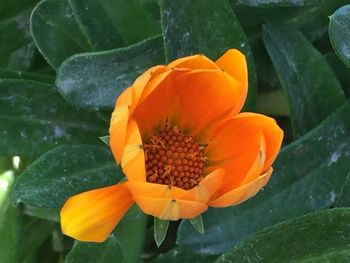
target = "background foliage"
x: 64, y: 62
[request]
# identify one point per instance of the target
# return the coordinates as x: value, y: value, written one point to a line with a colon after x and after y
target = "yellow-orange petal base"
x: 182, y: 144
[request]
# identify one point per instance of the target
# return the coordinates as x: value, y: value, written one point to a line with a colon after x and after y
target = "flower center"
x: 174, y: 159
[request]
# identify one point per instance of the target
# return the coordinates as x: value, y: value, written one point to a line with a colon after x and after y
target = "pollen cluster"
x: 174, y: 159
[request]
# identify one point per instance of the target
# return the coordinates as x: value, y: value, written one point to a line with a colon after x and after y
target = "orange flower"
x: 183, y: 146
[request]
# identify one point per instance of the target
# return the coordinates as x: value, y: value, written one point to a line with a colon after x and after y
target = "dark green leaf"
x: 311, y: 20
x: 279, y: 3
x: 106, y: 252
x: 131, y: 232
x: 11, y: 8
x: 339, y: 32
x: 96, y: 79
x: 34, y: 233
x: 55, y: 31
x: 63, y: 172
x: 179, y: 255
x: 109, y: 24
x: 343, y: 198
x: 14, y: 37
x: 160, y: 230
x: 11, y: 74
x: 317, y: 237
x: 35, y: 118
x: 10, y: 222
x: 197, y: 223
x: 308, y: 175
x: 273, y: 103
x: 312, y: 89
x: 208, y: 28
x: 51, y: 214
x: 341, y: 70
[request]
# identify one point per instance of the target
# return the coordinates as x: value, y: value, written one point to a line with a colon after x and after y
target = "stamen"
x: 174, y: 159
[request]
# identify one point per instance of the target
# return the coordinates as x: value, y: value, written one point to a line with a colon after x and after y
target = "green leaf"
x: 339, y: 28
x: 343, y: 198
x: 341, y: 70
x: 187, y: 30
x: 177, y: 254
x: 311, y: 20
x: 63, y: 172
x: 32, y: 239
x: 106, y: 252
x: 312, y: 89
x: 12, y: 74
x: 279, y: 3
x: 197, y: 223
x: 12, y: 8
x: 131, y: 233
x: 55, y: 31
x: 308, y: 176
x: 317, y: 237
x: 10, y: 222
x: 113, y: 71
x: 35, y: 118
x: 109, y: 24
x: 14, y: 36
x: 273, y: 103
x: 160, y: 230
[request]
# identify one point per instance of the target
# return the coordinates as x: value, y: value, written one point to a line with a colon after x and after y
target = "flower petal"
x: 199, y: 91
x: 133, y: 159
x: 193, y: 62
x: 206, y: 188
x: 170, y: 208
x: 200, y: 193
x: 154, y: 190
x: 242, y: 193
x: 118, y: 124
x: 272, y: 132
x: 158, y: 104
x: 91, y: 216
x: 234, y: 63
x: 236, y: 149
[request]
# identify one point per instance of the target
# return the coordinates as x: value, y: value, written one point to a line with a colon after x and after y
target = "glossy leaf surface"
x: 28, y: 128
x: 96, y: 79
x: 312, y: 89
x: 339, y: 33
x: 80, y: 168
x: 317, y: 237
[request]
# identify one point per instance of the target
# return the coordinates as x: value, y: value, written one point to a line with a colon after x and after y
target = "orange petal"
x: 234, y: 63
x: 272, y: 132
x: 147, y: 81
x: 206, y: 188
x: 199, y: 91
x: 193, y: 62
x: 91, y: 216
x: 242, y: 193
x: 235, y: 149
x: 133, y: 158
x: 200, y: 193
x: 158, y: 104
x: 118, y: 124
x: 154, y: 190
x: 170, y: 208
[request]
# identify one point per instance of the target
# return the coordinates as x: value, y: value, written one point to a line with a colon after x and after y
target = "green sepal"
x: 197, y: 223
x: 105, y: 139
x: 160, y: 230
